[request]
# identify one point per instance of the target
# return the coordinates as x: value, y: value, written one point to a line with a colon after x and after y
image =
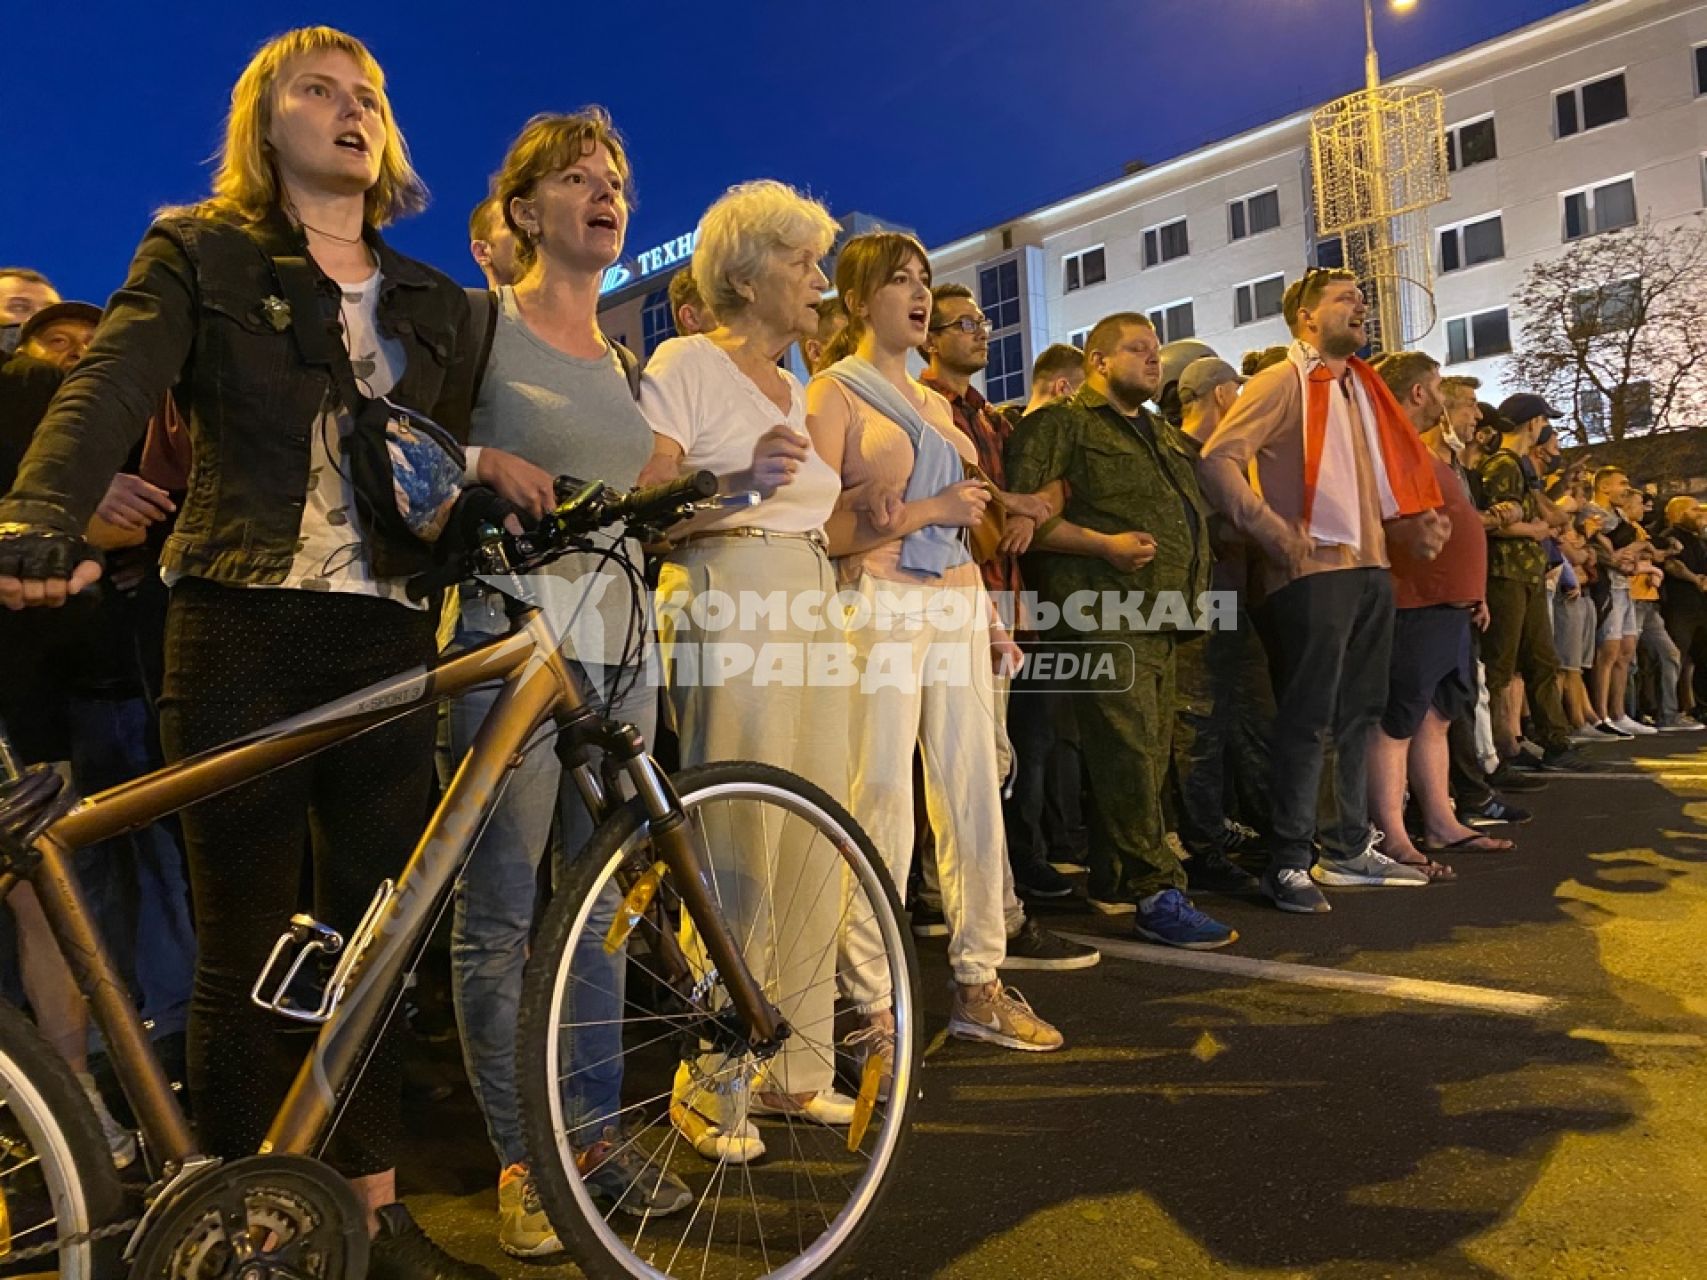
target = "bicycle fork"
x: 674, y: 845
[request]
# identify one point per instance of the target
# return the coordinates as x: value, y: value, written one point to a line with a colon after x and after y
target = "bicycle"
x: 662, y: 889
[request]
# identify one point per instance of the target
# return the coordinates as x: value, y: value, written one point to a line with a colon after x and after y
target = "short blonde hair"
x: 744, y: 227
x: 246, y: 186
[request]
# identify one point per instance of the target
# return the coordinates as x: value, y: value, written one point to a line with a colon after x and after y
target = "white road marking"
x: 1486, y: 999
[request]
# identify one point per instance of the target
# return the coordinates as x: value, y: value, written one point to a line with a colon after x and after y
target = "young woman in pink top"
x: 922, y: 629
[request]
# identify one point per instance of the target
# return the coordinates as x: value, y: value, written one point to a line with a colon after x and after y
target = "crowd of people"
x: 1307, y: 565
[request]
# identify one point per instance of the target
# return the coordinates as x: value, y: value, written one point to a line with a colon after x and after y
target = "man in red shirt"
x: 1431, y: 679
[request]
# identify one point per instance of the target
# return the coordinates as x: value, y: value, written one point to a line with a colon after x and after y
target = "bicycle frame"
x: 537, y: 684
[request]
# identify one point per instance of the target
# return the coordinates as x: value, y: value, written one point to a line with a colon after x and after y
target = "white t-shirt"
x: 694, y: 394
x: 331, y: 551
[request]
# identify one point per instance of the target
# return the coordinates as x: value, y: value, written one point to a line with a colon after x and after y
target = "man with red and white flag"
x: 1338, y: 472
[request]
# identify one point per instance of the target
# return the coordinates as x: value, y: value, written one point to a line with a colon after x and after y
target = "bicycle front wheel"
x: 57, y: 1182
x: 663, y: 1144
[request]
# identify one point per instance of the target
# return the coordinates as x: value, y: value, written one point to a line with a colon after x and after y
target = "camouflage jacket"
x: 1122, y: 474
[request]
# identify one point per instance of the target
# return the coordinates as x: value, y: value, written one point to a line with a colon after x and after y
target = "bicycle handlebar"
x: 584, y: 509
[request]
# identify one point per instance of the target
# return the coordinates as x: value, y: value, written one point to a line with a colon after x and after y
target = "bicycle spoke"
x: 790, y: 885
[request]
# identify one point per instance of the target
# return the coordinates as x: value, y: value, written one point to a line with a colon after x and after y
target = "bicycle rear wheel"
x: 57, y: 1179
x: 625, y: 1056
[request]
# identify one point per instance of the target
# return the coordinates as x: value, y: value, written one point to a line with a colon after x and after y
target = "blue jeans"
x: 135, y: 883
x: 494, y: 920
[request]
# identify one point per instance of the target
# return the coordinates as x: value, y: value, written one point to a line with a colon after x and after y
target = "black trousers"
x: 1223, y: 730
x: 1329, y: 638
x: 1042, y: 812
x: 236, y: 660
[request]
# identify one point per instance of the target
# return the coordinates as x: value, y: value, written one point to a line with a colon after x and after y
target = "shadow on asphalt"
x: 1255, y: 1125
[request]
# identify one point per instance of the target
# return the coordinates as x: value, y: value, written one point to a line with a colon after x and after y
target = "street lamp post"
x: 1388, y: 312
x: 1378, y: 160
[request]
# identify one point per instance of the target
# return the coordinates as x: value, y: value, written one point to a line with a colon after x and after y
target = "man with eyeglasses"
x: 957, y: 345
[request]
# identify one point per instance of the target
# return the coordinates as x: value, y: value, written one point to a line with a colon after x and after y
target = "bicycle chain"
x: 71, y: 1242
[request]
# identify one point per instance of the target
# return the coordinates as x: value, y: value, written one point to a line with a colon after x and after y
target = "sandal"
x: 1437, y: 872
x: 1477, y: 843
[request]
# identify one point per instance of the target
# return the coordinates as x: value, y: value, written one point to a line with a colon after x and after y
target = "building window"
x: 1083, y: 269
x: 1005, y: 377
x: 1165, y: 243
x: 1604, y: 208
x: 1487, y: 333
x: 1591, y: 412
x: 1470, y: 243
x: 1471, y: 143
x: 1330, y: 253
x: 1590, y: 106
x: 1174, y: 321
x: 1258, y: 300
x: 1612, y: 308
x: 1253, y: 215
x: 1700, y: 69
x: 657, y: 320
x: 998, y: 294
x: 1078, y: 338
x: 1594, y: 410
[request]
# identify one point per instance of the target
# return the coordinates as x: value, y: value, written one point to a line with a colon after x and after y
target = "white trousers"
x: 924, y: 658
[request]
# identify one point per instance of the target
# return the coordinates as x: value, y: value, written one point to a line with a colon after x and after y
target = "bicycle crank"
x: 272, y: 1217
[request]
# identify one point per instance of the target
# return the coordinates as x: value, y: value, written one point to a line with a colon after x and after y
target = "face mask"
x: 1451, y: 437
x: 9, y: 338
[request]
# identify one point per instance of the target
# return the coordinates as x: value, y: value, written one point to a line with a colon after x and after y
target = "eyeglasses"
x: 966, y: 324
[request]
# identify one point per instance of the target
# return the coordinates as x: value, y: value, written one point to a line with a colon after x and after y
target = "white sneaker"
x: 1625, y: 724
x: 1588, y: 733
x: 1682, y: 724
x: 828, y: 1107
x: 121, y: 1142
x: 715, y: 1121
x: 1370, y: 867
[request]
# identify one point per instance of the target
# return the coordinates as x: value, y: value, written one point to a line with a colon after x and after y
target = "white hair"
x: 740, y: 231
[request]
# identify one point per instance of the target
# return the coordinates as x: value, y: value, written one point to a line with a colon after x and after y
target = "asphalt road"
x: 1207, y: 1123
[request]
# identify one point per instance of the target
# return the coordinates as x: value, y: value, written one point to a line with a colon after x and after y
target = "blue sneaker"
x: 1172, y: 920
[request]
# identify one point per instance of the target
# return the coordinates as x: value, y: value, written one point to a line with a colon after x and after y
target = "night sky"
x: 945, y: 116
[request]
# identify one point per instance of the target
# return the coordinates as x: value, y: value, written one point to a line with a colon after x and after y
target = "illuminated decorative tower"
x: 1378, y: 160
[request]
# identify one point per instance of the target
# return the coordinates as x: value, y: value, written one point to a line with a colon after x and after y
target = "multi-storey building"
x: 1575, y: 126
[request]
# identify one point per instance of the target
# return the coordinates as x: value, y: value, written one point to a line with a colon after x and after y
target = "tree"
x: 1614, y: 331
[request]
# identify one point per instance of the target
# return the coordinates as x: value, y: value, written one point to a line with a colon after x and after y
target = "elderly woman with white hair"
x: 720, y: 402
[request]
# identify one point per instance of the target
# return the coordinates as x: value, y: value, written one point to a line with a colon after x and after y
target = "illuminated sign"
x: 669, y: 254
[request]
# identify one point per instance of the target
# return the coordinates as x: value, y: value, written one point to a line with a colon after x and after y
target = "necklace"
x: 338, y: 239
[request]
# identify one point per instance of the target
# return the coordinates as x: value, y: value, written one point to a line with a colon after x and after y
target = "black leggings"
x: 238, y: 659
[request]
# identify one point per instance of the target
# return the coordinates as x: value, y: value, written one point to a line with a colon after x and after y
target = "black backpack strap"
x: 319, y: 338
x: 630, y: 366
x: 483, y: 315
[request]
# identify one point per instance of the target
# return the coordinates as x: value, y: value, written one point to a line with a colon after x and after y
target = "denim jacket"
x: 201, y: 315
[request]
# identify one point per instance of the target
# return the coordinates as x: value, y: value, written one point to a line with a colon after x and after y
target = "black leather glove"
x: 38, y: 554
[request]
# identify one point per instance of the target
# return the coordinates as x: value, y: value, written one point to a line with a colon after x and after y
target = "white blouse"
x: 694, y: 394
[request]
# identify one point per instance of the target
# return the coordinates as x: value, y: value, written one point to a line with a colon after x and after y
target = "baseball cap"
x: 1176, y: 355
x: 88, y: 312
x: 1493, y: 422
x: 1202, y: 376
x: 1526, y: 405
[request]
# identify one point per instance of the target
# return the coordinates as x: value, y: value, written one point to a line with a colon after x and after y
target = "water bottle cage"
x: 312, y: 941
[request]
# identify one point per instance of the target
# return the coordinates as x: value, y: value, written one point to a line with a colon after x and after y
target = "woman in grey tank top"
x: 554, y: 401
